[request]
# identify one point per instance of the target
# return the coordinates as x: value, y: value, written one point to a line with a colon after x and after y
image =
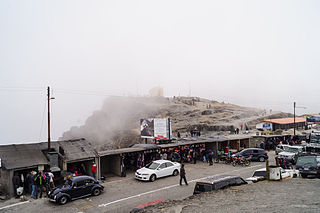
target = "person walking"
x: 94, y: 170
x: 183, y: 175
x: 16, y: 184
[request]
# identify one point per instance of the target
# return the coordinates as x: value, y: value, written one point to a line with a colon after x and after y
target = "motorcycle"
x: 226, y: 158
x: 240, y: 160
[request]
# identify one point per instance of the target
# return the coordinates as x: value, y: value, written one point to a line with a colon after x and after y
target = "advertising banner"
x: 147, y: 127
x: 160, y: 128
x: 156, y: 128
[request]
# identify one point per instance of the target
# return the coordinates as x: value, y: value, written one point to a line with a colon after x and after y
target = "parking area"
x: 121, y: 194
x: 292, y: 195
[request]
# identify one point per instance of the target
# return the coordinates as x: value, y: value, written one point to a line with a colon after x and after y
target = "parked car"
x: 280, y: 148
x: 261, y: 174
x: 291, y: 153
x: 256, y: 154
x: 258, y: 175
x: 216, y: 183
x: 75, y: 188
x: 157, y: 169
x: 308, y: 165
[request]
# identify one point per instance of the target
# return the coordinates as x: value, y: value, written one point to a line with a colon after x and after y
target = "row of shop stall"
x: 75, y: 158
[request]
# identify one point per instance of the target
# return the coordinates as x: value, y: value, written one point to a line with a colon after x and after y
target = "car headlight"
x: 55, y: 197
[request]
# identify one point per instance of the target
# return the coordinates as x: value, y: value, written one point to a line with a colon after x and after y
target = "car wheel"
x: 175, y: 172
x: 303, y: 175
x: 96, y: 192
x: 216, y: 160
x: 261, y: 159
x: 63, y: 200
x: 247, y: 163
x: 152, y: 178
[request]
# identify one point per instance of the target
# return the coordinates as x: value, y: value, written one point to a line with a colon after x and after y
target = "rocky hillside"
x: 116, y: 125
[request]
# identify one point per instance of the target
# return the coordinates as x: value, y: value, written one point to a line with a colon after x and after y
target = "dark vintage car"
x: 75, y: 188
x: 308, y: 165
x: 216, y: 183
x: 256, y: 154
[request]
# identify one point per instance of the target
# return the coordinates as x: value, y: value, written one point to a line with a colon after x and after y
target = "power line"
x: 44, y: 109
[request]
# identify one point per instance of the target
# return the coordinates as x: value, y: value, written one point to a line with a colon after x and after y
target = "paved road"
x: 295, y: 195
x: 122, y: 194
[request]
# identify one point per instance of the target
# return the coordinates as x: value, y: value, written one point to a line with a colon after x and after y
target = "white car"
x: 260, y: 174
x: 290, y: 152
x: 157, y: 169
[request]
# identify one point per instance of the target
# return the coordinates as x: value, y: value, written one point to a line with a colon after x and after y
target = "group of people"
x: 271, y: 143
x: 34, y: 183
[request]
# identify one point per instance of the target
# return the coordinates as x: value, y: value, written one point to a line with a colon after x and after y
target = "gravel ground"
x: 293, y: 195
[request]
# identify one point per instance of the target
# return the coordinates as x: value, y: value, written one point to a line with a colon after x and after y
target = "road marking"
x: 85, y: 207
x: 168, y: 187
x: 15, y: 204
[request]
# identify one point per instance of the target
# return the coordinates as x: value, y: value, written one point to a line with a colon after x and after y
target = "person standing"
x: 29, y: 181
x: 51, y: 179
x: 33, y: 184
x: 94, y: 170
x: 183, y: 175
x: 210, y: 158
x: 16, y: 184
x: 39, y: 184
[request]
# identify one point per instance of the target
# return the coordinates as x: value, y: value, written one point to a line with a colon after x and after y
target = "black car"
x: 256, y: 154
x: 216, y: 183
x: 308, y: 165
x: 75, y: 188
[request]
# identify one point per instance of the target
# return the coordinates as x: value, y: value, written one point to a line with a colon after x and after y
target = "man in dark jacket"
x: 38, y: 180
x: 29, y: 182
x: 16, y: 184
x: 183, y: 175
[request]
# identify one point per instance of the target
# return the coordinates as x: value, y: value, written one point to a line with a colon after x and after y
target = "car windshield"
x: 291, y: 149
x: 152, y: 165
x: 259, y: 173
x: 305, y: 160
x: 68, y: 182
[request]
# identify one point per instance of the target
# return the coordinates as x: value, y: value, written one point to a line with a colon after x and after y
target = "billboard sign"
x: 313, y: 120
x: 156, y: 128
x: 147, y: 127
x: 266, y: 126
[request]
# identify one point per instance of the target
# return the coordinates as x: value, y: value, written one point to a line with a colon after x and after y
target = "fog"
x: 261, y: 54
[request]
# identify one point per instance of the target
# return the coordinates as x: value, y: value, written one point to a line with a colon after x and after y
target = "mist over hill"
x: 117, y: 123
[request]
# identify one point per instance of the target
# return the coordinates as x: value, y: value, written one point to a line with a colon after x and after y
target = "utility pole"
x: 294, y: 118
x: 49, y: 119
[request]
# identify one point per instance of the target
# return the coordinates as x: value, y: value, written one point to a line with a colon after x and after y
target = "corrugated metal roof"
x: 29, y: 155
x: 286, y: 120
x: 76, y: 149
x: 22, y: 156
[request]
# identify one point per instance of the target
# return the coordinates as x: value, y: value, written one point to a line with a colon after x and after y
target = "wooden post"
x: 267, y: 170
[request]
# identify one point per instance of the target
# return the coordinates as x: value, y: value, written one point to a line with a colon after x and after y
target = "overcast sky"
x: 254, y: 53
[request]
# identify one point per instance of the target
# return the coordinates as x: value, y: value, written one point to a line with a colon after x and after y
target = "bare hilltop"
x: 116, y: 124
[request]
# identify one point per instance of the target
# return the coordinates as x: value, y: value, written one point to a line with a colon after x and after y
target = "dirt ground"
x: 293, y: 195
